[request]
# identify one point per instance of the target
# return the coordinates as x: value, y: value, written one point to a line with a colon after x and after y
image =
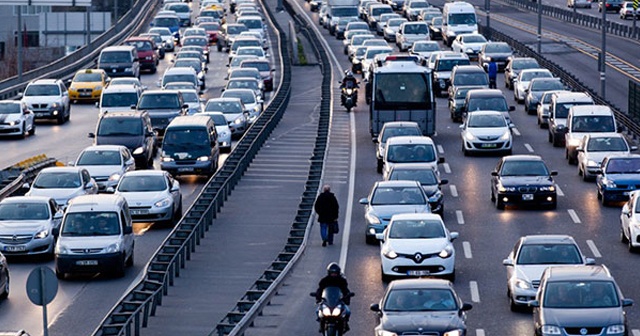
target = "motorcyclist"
x: 349, y: 82
x: 335, y: 278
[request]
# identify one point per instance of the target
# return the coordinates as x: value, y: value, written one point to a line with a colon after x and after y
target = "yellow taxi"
x: 87, y: 85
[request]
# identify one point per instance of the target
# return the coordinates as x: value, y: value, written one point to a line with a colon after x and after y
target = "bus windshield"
x: 402, y: 91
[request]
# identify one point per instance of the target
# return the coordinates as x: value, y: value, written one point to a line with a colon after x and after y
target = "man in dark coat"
x: 327, y: 208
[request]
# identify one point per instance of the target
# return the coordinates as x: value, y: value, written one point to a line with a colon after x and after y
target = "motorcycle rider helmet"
x: 333, y: 269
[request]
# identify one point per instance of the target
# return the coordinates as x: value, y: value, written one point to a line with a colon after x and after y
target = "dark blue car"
x: 619, y: 176
x: 168, y: 21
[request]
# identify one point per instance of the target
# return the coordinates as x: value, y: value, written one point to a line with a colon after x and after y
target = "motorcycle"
x: 349, y: 97
x: 332, y: 311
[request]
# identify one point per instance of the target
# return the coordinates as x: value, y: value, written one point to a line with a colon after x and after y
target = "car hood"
x: 400, y: 322
x: 530, y: 273
x: 526, y: 180
x: 61, y: 195
x: 599, y: 156
x: 135, y: 199
x: 23, y: 227
x: 98, y: 171
x: 41, y: 99
x: 132, y: 142
x: 9, y: 117
x: 474, y: 46
x: 625, y: 178
x: 430, y: 189
x: 385, y: 212
x: 424, y: 246
x: 585, y: 317
x: 88, y: 242
x: 490, y: 132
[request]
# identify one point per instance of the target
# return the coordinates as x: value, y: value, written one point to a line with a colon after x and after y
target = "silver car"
x: 486, y: 131
x: 106, y: 163
x: 252, y: 104
x: 27, y: 223
x: 222, y: 128
x: 234, y: 112
x: 594, y: 147
x: 530, y: 256
x: 152, y: 195
x: 62, y: 184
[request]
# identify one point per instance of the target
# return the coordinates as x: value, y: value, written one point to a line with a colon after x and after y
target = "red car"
x: 212, y: 28
x: 147, y: 52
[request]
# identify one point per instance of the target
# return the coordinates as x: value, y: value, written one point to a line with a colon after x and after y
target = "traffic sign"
x: 42, y: 285
x: 635, y: 4
x: 78, y: 3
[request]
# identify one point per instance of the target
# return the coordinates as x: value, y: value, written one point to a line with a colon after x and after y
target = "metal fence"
x: 131, y: 23
x: 133, y: 310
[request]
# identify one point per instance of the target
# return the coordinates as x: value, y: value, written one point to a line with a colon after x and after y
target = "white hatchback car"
x: 62, y: 184
x: 630, y: 222
x: 486, y: 131
x: 222, y: 128
x: 106, y: 163
x: 16, y: 118
x: 524, y: 78
x: 594, y: 147
x: 417, y: 244
x: 410, y: 149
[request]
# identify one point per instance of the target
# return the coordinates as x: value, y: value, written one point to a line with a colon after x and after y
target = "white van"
x: 118, y: 98
x: 95, y: 236
x: 458, y: 17
x: 585, y: 119
x: 410, y: 149
x: 559, y: 107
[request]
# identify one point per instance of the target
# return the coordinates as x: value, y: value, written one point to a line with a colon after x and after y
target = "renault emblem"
x: 418, y: 257
x: 583, y: 331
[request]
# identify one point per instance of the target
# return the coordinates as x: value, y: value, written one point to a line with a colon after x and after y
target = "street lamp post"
x: 539, y: 26
x: 487, y: 7
x: 603, y: 52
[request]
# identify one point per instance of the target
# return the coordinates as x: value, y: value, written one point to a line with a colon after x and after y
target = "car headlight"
x: 574, y: 142
x: 138, y: 151
x: 502, y: 188
x: 549, y: 188
x: 592, y: 163
x: 128, y: 69
x: 468, y: 50
x: 238, y: 120
x: 55, y: 105
x: 550, y: 330
x: 148, y: 58
x: 506, y: 136
x: 389, y: 253
x: 204, y: 158
x: 13, y: 123
x: 167, y: 159
x: 97, y: 88
x: 523, y: 284
x: 386, y: 333
x: 436, y: 196
x: 456, y: 332
x: 223, y: 134
x: 486, y: 58
x: 42, y: 234
x: 469, y: 136
x: 446, y: 252
x: 372, y: 219
x: 114, y: 177
x: 162, y: 203
x: 615, y: 329
x: 113, y: 248
x: 256, y: 108
x: 609, y: 183
x: 61, y: 249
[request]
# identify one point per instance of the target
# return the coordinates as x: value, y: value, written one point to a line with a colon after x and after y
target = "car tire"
x: 32, y: 131
x: 623, y: 237
x: 603, y: 200
x: 154, y: 69
x: 553, y: 206
x: 451, y: 277
x: 129, y: 262
x: 499, y: 203
x: 60, y: 275
x: 493, y: 197
x: 23, y: 134
x: 512, y: 305
x: 371, y: 240
x: 5, y: 291
x: 118, y: 272
x: 630, y: 247
x: 379, y: 165
x: 385, y: 278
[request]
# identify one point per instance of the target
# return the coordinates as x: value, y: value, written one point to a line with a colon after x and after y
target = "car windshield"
x: 549, y: 254
x: 426, y: 47
x: 245, y: 43
x: 520, y: 64
x: 188, y: 54
x: 260, y: 66
x: 234, y: 30
x: 410, y: 153
x: 133, y: 183
x: 90, y: 223
x: 187, y: 63
x: 580, y: 294
x: 159, y: 101
x: 195, y: 41
x: 140, y: 45
x: 370, y: 54
x: 57, y: 180
x: 623, y: 166
x: 487, y: 103
x: 218, y: 119
x: 10, y: 108
x: 425, y: 176
x: 186, y: 143
x: 397, y: 195
x: 209, y: 26
x: 415, y: 29
x: 42, y: 90
x: 119, y: 99
x: 250, y: 51
x: 99, y: 158
x: 172, y: 78
x: 243, y: 84
x: 546, y: 85
x: 447, y: 65
x: 461, y: 93
x: 224, y: 107
x: 416, y: 229
x: 120, y: 127
x: 472, y: 78
x: 246, y: 97
x: 252, y: 24
x: 84, y: 77
x: 166, y: 22
x: 591, y: 123
x: 607, y: 144
x: 179, y: 8
x: 486, y: 121
x: 529, y: 75
x: 474, y: 39
x: 497, y: 48
x: 161, y: 31
x: 524, y: 168
x: 395, y: 22
x: 115, y: 57
x: 430, y: 299
x: 23, y: 211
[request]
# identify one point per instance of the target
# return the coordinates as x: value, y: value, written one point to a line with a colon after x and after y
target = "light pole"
x: 539, y: 26
x: 20, y: 38
x: 603, y: 52
x: 487, y: 7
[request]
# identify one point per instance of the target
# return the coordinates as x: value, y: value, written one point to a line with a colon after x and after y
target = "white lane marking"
x: 447, y: 168
x: 574, y: 216
x: 440, y: 149
x: 480, y: 332
x: 529, y: 148
x: 515, y: 131
x: 454, y: 190
x: 466, y: 247
x: 344, y: 249
x: 460, y: 217
x: 635, y: 332
x: 559, y: 191
x: 594, y: 249
x: 475, y: 294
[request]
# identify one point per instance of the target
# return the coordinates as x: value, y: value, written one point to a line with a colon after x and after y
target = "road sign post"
x: 42, y: 287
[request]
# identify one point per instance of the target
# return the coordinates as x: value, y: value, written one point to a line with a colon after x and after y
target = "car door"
x: 28, y: 117
x: 90, y: 186
x: 127, y: 160
x: 513, y: 256
x: 65, y: 97
x: 125, y: 220
x: 627, y: 213
x: 174, y: 189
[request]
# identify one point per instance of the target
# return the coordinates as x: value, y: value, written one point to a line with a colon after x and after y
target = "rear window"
x: 91, y: 223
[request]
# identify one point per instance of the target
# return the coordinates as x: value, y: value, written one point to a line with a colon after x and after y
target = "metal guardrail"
x: 630, y: 126
x: 264, y: 288
x: 585, y: 20
x: 15, y: 176
x: 134, y: 308
x: 131, y: 23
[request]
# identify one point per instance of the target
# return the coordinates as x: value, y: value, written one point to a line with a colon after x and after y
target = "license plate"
x: 418, y: 273
x: 186, y: 169
x: 488, y: 145
x: 39, y: 114
x: 87, y: 262
x: 18, y: 248
x: 527, y: 197
x: 139, y: 212
x: 85, y: 95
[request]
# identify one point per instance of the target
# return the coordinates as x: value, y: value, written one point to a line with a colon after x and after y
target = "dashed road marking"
x: 454, y: 190
x: 635, y: 332
x: 440, y: 149
x: 529, y: 148
x: 594, y: 249
x: 574, y: 216
x: 459, y: 217
x: 559, y: 191
x: 466, y: 247
x: 480, y: 332
x: 447, y: 168
x: 515, y: 131
x: 475, y: 294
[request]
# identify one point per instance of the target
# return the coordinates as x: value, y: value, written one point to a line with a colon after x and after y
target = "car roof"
x: 104, y: 148
x: 548, y: 239
x: 127, y: 114
x: 417, y: 216
x: 522, y: 157
x: 414, y: 166
x: 486, y: 112
x: 62, y: 169
x: 484, y: 93
x: 419, y: 283
x: 411, y: 139
x: 468, y: 68
x: 119, y: 48
x: 397, y: 183
x: 120, y: 88
x: 225, y: 99
x: 604, y: 135
x: 591, y: 110
x: 26, y: 199
x: 389, y: 124
x: 44, y: 81
x: 98, y: 202
x: 573, y: 273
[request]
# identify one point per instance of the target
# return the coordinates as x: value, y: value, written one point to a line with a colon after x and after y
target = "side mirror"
x: 58, y: 214
x: 312, y: 294
x: 553, y: 173
x: 130, y: 162
x: 55, y: 232
x: 443, y: 182
x: 634, y: 148
x: 627, y: 302
x: 461, y: 126
x: 175, y: 188
x: 507, y: 262
x: 26, y: 185
x: 133, y: 107
x: 91, y: 135
x: 128, y: 230
x: 89, y: 185
x: 97, y: 104
x: 494, y: 173
x: 454, y: 236
x: 70, y: 163
x: 579, y: 149
x: 110, y: 190
x: 590, y: 261
x: 364, y: 201
x: 380, y: 236
x: 466, y: 307
x: 512, y: 108
x: 533, y: 304
x: 441, y: 160
x: 375, y: 307
x: 185, y: 106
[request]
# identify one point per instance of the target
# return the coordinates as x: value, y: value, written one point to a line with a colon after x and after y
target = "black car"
x: 130, y: 129
x: 429, y: 180
x: 523, y: 180
x: 579, y: 300
x: 498, y: 52
x: 421, y: 307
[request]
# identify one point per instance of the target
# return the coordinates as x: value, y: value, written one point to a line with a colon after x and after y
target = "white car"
x: 17, y: 119
x: 370, y: 53
x: 193, y: 100
x: 530, y: 256
x: 251, y: 102
x: 258, y: 52
x: 233, y: 110
x: 48, y: 99
x: 627, y: 11
x: 630, y: 222
x: 105, y: 163
x: 594, y: 147
x: 542, y: 110
x: 62, y: 184
x: 152, y: 195
x: 167, y: 37
x: 424, y: 49
x: 410, y: 32
x: 223, y: 130
x: 486, y: 131
x: 391, y: 29
x: 417, y: 244
x: 521, y: 83
x: 469, y: 44
x: 393, y: 129
x: 410, y: 149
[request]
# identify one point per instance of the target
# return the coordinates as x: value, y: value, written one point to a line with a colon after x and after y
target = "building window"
x: 31, y: 10
x: 29, y: 38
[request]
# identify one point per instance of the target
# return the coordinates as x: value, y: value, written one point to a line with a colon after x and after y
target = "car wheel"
x: 499, y: 203
x: 603, y: 199
x: 371, y: 240
x: 32, y: 131
x: 623, y: 237
x: 154, y: 69
x: 60, y: 119
x: 385, y: 278
x: 118, y: 272
x: 598, y: 195
x: 379, y: 166
x: 129, y: 262
x: 632, y: 249
x: 512, y: 305
x: 553, y: 206
x: 493, y: 197
x: 23, y: 134
x: 60, y: 275
x: 451, y: 277
x: 5, y: 292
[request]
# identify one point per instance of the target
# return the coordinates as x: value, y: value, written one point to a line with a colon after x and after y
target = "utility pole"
x: 603, y: 52
x: 539, y: 26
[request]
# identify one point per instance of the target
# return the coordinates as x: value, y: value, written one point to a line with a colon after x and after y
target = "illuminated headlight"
x: 436, y: 196
x: 256, y: 108
x: 502, y: 188
x: 574, y: 142
x: 468, y: 50
x: 326, y: 311
x: 475, y: 31
x: 114, y: 177
x: 61, y: 249
x: 592, y: 163
x: 349, y: 91
x: 204, y: 158
x: 162, y: 203
x: 446, y: 253
x: 148, y: 58
x: 138, y: 151
x: 113, y: 248
x: 549, y: 188
x: 523, y: 284
x: 372, y: 219
x: 356, y: 61
x: 550, y: 330
x: 386, y: 333
x: 469, y: 136
x: 167, y: 159
x: 560, y: 127
x: 42, y: 234
x: 389, y: 253
x: 337, y: 311
x: 486, y: 58
x: 506, y: 136
x: 609, y: 183
x: 615, y: 329
x: 55, y: 105
x: 13, y: 123
x: 238, y: 120
x: 456, y: 332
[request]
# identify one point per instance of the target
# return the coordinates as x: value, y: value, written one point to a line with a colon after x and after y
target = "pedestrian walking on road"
x: 327, y: 208
x: 493, y: 74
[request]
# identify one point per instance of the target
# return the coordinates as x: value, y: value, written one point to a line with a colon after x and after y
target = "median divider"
x: 12, y: 178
